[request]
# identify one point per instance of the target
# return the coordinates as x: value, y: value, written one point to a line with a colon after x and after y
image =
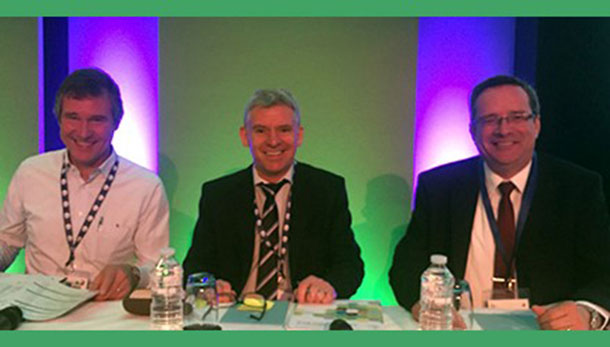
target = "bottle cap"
x: 438, y: 259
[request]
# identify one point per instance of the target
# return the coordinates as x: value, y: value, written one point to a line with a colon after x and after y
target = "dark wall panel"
x: 573, y: 82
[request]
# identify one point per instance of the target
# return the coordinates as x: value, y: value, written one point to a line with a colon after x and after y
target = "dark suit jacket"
x: 564, y: 251
x: 321, y: 241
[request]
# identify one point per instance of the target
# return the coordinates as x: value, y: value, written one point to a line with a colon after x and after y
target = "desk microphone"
x: 10, y: 318
x: 340, y: 324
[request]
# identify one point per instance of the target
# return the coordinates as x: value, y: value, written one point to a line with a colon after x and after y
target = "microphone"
x: 10, y: 318
x: 340, y: 324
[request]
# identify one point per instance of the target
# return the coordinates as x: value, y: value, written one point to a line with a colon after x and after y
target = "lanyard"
x: 65, y: 203
x: 280, y: 253
x: 526, y: 203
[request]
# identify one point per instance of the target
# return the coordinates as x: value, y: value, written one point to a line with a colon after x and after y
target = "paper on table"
x: 274, y: 318
x: 40, y: 297
x: 369, y: 315
x: 507, y: 320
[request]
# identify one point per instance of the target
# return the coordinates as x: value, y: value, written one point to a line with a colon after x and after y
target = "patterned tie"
x: 267, y: 278
x: 506, y: 224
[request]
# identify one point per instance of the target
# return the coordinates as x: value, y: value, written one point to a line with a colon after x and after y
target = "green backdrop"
x: 18, y: 97
x: 355, y: 81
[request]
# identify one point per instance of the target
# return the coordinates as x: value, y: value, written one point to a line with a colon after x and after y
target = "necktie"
x: 506, y: 225
x: 268, y: 226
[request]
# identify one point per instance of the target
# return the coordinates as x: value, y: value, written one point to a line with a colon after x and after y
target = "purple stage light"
x: 454, y: 55
x: 128, y: 49
x: 41, y: 119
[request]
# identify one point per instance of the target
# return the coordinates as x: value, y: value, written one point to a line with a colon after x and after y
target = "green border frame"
x: 411, y: 8
x: 368, y: 8
x: 303, y: 338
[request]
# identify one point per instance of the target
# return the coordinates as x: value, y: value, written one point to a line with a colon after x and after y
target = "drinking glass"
x: 201, y: 294
x: 463, y: 304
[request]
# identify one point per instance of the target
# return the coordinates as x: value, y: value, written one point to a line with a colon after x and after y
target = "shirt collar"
x: 288, y: 176
x: 104, y: 168
x: 493, y: 180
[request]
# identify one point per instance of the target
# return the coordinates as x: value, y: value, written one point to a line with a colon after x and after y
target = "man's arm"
x: 12, y: 223
x: 593, y: 246
x: 412, y: 252
x: 152, y: 234
x: 346, y: 269
x: 592, y: 265
x: 202, y: 256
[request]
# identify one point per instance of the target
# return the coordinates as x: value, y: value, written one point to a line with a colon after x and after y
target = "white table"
x: 110, y: 315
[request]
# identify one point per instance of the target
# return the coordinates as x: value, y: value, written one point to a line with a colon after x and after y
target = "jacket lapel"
x: 298, y: 211
x: 539, y: 214
x: 243, y: 218
x: 463, y: 203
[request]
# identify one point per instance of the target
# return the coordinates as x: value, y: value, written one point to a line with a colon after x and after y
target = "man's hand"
x: 314, y: 290
x: 458, y: 321
x: 114, y: 282
x: 562, y: 316
x: 415, y: 311
x: 225, y: 293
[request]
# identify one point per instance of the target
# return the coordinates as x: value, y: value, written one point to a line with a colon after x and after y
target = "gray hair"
x: 272, y: 97
x: 91, y: 82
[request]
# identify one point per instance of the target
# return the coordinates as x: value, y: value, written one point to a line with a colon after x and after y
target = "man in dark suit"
x: 278, y: 226
x: 560, y: 241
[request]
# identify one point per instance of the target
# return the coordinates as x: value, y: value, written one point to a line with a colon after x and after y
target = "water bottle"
x: 166, y: 311
x: 436, y: 296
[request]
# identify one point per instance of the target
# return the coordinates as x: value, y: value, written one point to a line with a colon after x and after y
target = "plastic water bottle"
x: 436, y: 296
x: 166, y: 311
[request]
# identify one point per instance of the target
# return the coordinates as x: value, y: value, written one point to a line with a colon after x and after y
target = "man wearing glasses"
x: 279, y: 226
x: 512, y: 218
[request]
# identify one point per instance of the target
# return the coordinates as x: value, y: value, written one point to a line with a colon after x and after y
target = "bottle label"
x: 172, y: 281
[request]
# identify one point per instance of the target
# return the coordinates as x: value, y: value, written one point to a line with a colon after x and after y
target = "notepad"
x: 40, y: 297
x: 274, y: 318
x: 513, y: 320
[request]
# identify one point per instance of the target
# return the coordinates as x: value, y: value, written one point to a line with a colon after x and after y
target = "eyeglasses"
x: 510, y: 119
x: 252, y: 301
x: 256, y: 302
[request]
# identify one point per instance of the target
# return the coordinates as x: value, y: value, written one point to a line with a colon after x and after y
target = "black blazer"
x: 321, y: 241
x: 564, y: 251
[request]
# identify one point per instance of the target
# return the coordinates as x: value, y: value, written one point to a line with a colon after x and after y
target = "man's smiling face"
x: 273, y: 137
x: 86, y: 128
x: 506, y: 147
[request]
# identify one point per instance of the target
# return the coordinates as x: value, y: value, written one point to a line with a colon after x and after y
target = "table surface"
x: 110, y: 315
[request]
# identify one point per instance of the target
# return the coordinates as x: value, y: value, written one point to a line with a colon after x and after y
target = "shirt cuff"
x: 602, y: 312
x: 144, y: 275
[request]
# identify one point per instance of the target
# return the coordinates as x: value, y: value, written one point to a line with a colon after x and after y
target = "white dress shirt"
x: 481, y: 253
x: 131, y: 226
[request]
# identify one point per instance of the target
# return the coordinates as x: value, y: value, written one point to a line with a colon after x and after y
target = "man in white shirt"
x: 512, y: 215
x: 84, y: 213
